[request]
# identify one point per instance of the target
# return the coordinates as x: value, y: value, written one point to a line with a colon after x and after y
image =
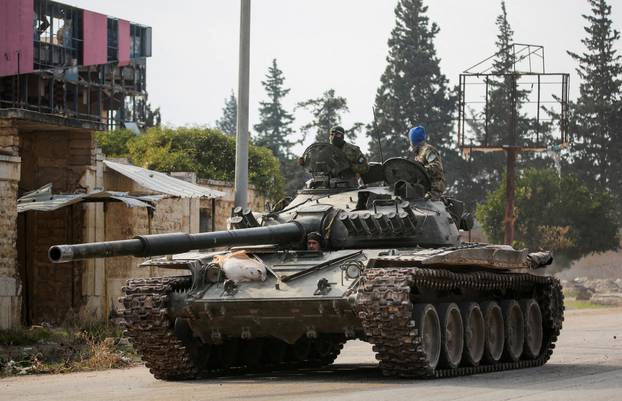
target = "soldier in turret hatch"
x: 430, y: 158
x: 357, y: 160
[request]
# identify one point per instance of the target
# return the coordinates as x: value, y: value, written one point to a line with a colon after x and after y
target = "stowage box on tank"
x: 392, y: 271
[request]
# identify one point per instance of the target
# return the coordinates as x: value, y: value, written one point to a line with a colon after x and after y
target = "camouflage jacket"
x: 357, y: 160
x: 430, y: 158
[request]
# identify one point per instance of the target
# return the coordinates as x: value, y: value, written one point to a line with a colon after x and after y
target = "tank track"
x: 386, y: 309
x: 150, y: 329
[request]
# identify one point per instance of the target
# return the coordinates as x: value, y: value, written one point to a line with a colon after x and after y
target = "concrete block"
x: 10, y: 168
x: 8, y: 320
x: 8, y: 287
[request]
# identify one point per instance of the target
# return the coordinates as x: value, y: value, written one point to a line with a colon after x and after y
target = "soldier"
x: 314, y: 240
x: 429, y: 157
x: 357, y: 160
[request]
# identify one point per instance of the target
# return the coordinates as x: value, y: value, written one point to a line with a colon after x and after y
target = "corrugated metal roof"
x: 44, y: 200
x: 162, y: 183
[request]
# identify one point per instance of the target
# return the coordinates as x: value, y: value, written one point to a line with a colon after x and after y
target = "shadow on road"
x: 370, y: 374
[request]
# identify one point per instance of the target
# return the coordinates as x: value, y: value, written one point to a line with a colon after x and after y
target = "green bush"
x: 553, y: 213
x: 207, y: 152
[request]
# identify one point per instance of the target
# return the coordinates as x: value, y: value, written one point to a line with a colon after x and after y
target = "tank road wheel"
x: 514, y: 330
x: 495, y: 332
x: 251, y: 351
x: 229, y: 351
x: 474, y: 333
x: 429, y: 326
x: 533, y: 328
x: 452, y: 335
x: 276, y: 351
x: 301, y: 349
x: 323, y: 347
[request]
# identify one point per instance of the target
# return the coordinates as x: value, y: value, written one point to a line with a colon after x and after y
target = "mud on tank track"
x: 169, y: 357
x: 385, y: 307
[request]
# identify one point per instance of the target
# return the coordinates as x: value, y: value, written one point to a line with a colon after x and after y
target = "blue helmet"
x: 417, y: 135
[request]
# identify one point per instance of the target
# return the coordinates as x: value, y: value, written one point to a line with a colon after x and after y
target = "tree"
x: 153, y: 118
x: 505, y: 124
x: 553, y: 213
x: 274, y: 130
x: 208, y: 152
x: 596, y: 117
x: 327, y: 111
x: 413, y: 90
x: 114, y: 143
x: 229, y: 119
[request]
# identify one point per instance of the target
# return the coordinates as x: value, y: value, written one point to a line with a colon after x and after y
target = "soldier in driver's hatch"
x: 357, y: 160
x: 429, y: 157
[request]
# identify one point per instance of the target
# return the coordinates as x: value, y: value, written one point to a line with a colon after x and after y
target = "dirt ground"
x: 586, y: 365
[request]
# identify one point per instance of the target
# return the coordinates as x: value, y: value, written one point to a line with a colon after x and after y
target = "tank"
x: 392, y: 270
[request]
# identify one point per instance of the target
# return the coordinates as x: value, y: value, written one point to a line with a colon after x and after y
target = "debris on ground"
x: 48, y: 349
x: 599, y: 291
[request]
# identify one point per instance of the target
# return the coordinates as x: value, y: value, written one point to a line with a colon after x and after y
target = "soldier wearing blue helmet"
x: 430, y: 158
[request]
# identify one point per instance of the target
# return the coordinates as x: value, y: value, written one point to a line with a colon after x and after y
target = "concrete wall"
x: 170, y: 215
x: 121, y: 222
x: 256, y: 201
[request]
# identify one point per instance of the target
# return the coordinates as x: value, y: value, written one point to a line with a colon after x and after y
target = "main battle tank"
x: 392, y: 271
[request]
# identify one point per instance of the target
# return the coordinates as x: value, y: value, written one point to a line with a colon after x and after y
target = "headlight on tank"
x: 353, y: 269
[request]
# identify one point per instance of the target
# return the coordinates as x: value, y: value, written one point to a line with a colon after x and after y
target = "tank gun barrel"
x: 167, y: 244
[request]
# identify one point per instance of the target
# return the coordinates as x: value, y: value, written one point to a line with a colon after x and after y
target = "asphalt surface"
x: 586, y: 365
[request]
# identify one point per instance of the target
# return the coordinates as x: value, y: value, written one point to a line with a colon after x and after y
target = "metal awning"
x: 162, y: 183
x: 45, y: 201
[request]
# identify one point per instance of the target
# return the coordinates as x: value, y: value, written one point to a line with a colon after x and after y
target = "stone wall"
x: 224, y: 205
x: 10, y: 168
x: 170, y: 215
x: 122, y: 222
x: 10, y: 284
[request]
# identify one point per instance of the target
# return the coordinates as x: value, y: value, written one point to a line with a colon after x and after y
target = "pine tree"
x: 229, y: 119
x: 274, y: 129
x: 327, y: 111
x: 413, y: 90
x: 597, y: 113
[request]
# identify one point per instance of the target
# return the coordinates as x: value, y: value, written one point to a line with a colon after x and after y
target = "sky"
x: 324, y: 44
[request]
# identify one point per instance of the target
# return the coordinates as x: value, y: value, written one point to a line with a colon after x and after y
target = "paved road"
x: 587, y: 365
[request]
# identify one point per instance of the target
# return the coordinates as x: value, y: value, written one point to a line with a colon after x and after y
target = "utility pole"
x: 241, y: 144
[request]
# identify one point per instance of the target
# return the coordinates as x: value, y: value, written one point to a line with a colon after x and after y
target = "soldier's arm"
x: 359, y: 164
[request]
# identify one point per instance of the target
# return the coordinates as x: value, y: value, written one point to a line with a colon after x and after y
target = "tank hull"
x: 283, y: 324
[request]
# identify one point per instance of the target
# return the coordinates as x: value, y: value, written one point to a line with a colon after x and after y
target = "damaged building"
x: 66, y: 73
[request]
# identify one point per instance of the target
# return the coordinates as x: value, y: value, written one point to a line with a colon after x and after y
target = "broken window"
x: 57, y: 34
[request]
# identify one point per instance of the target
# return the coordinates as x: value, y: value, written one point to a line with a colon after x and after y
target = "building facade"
x: 65, y: 73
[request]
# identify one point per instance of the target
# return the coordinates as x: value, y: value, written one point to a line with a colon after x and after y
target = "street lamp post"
x: 241, y: 146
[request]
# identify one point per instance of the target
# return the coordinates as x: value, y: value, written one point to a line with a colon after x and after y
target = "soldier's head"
x: 417, y: 136
x: 337, y: 135
x: 314, y: 240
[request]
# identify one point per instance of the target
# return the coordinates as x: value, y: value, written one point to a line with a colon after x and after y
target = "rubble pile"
x: 598, y: 291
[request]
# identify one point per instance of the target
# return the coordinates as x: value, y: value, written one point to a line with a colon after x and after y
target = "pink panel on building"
x: 16, y: 37
x: 95, y: 47
x: 124, y: 42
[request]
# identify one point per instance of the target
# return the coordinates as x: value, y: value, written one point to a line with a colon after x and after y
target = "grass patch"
x: 574, y: 304
x: 31, y: 336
